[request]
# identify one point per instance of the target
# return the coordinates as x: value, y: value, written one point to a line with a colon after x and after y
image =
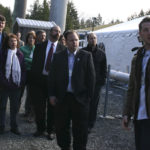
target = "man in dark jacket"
x: 71, y: 86
x: 41, y: 62
x: 100, y: 65
x: 138, y: 94
x: 3, y: 35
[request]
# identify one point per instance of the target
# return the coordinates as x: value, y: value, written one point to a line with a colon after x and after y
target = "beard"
x: 55, y: 36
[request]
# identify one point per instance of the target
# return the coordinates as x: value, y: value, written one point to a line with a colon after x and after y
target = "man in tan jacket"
x: 138, y: 94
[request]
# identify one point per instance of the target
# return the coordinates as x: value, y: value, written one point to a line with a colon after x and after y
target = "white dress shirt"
x: 142, y: 113
x: 71, y: 59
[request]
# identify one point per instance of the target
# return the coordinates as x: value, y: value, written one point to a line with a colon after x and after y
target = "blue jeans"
x: 13, y: 96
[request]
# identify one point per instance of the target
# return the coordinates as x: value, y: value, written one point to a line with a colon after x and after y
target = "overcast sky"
x: 109, y: 9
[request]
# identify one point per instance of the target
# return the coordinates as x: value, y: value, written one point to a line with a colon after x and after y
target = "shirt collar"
x: 55, y: 43
x: 74, y: 53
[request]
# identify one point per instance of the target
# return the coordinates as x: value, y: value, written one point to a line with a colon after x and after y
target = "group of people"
x: 62, y: 83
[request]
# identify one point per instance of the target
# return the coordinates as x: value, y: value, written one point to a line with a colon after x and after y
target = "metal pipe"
x: 120, y: 76
x: 107, y: 87
x: 58, y: 12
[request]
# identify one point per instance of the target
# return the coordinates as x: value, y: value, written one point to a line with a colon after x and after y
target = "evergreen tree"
x: 141, y: 14
x: 82, y: 23
x: 45, y: 10
x: 118, y: 21
x: 89, y: 23
x: 99, y: 19
x: 39, y: 12
x: 72, y: 20
x: 132, y: 17
x: 5, y: 11
x: 35, y: 12
x: 148, y: 12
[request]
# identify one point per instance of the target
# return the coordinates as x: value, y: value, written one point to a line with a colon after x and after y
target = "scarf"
x: 13, y: 67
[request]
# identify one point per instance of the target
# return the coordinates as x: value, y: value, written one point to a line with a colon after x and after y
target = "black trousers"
x: 13, y: 96
x: 28, y: 104
x: 93, y: 106
x: 142, y: 134
x: 65, y: 112
x: 44, y: 112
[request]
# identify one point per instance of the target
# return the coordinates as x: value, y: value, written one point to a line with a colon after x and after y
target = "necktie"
x: 48, y: 61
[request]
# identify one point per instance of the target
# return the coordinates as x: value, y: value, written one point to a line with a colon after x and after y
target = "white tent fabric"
x: 119, y: 40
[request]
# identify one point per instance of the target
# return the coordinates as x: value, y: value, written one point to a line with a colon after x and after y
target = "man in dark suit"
x: 71, y: 85
x: 3, y: 35
x: 41, y: 62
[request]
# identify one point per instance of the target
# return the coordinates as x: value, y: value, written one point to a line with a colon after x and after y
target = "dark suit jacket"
x: 38, y: 62
x: 83, y: 76
x: 9, y: 84
x: 100, y: 64
x: 3, y: 44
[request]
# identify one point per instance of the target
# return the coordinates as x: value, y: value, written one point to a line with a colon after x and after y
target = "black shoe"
x: 24, y: 115
x: 30, y: 119
x: 15, y: 131
x: 2, y: 131
x: 89, y: 130
x: 51, y: 136
x: 38, y: 133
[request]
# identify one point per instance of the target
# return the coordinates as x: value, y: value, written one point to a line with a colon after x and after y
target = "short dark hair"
x: 2, y: 18
x: 70, y: 32
x: 51, y: 29
x: 146, y: 19
x: 39, y: 32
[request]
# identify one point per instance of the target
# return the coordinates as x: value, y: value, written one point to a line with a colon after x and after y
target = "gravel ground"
x: 107, y: 134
